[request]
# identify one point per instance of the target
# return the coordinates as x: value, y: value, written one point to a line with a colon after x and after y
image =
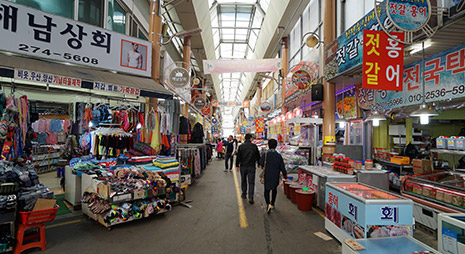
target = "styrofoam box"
x: 400, y: 140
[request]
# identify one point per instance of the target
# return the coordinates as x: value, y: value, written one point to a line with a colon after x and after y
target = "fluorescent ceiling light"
x: 417, y: 47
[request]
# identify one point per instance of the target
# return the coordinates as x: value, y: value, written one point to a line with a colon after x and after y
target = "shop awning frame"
x: 148, y: 87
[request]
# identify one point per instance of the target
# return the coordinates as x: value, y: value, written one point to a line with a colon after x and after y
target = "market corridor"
x: 211, y: 226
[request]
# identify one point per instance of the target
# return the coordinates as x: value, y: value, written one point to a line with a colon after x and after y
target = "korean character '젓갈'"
x: 102, y: 40
x: 9, y: 15
x: 412, y: 73
x: 432, y: 74
x: 40, y: 35
x: 455, y: 62
x: 75, y: 43
x: 393, y: 8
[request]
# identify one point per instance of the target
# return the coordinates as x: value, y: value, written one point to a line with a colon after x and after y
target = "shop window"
x: 64, y: 8
x: 133, y: 27
x: 116, y: 19
x: 91, y: 12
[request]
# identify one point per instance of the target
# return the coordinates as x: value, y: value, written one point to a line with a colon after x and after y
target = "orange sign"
x: 214, y: 103
x: 246, y: 104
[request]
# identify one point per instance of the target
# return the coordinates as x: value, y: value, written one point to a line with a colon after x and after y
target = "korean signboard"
x: 244, y: 104
x: 179, y: 77
x: 444, y: 79
x: 32, y: 32
x: 383, y: 61
x: 346, y: 51
x: 199, y: 102
x: 301, y: 79
x: 409, y: 15
x: 47, y: 78
x: 100, y: 86
x: 292, y: 90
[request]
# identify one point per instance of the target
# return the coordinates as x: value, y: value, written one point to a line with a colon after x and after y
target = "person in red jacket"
x: 219, y: 149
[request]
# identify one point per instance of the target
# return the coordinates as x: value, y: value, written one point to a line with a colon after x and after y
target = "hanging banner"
x: 259, y: 125
x: 244, y: 104
x: 444, y: 79
x: 28, y: 31
x: 346, y: 51
x: 346, y: 105
x: 252, y: 65
x: 243, y: 130
x: 383, y: 61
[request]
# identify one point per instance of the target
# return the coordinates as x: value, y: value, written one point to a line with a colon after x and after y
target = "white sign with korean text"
x: 32, y: 32
x: 47, y: 78
x: 112, y: 88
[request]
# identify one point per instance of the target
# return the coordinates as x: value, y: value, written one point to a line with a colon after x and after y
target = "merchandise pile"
x: 167, y: 165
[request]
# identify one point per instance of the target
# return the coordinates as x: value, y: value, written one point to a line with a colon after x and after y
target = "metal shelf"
x: 445, y: 151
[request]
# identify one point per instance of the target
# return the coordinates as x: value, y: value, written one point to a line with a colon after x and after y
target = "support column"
x: 329, y: 93
x: 186, y: 57
x: 285, y: 68
x: 409, y: 130
x: 154, y: 37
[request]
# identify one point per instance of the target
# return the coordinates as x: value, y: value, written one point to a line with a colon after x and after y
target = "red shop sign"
x: 206, y: 110
x: 383, y: 61
x: 301, y: 79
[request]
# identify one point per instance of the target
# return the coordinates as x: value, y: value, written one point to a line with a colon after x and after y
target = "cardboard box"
x: 422, y: 166
x: 329, y: 149
x: 43, y: 204
x: 103, y: 190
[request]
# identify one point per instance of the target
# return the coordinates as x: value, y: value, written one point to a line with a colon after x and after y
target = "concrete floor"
x: 212, y: 225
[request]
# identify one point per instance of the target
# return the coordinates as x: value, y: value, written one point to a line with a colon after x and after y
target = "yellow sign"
x: 244, y: 123
x: 330, y: 140
x: 297, y: 128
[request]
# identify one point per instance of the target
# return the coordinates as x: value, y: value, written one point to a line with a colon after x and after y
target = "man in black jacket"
x: 229, y: 154
x: 247, y: 157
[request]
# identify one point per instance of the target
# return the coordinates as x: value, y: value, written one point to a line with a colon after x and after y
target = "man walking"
x: 247, y: 157
x: 229, y: 156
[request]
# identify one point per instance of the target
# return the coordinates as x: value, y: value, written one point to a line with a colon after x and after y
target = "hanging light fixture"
x: 376, y: 117
x: 424, y: 112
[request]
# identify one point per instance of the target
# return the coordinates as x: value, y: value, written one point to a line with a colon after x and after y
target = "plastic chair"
x: 34, y: 219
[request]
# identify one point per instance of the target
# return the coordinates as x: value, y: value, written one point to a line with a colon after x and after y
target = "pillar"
x: 329, y: 91
x: 186, y: 59
x: 409, y: 129
x: 154, y: 37
x: 285, y: 68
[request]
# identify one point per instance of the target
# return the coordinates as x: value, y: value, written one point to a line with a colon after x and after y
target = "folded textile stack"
x: 144, y: 148
x: 166, y: 165
x: 141, y: 160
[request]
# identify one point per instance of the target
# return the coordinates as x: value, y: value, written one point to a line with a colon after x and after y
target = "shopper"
x: 219, y: 149
x: 273, y: 164
x: 247, y: 157
x: 229, y: 155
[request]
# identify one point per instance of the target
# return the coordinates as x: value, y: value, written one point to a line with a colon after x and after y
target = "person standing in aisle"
x: 273, y: 165
x: 219, y: 149
x: 247, y: 156
x: 229, y: 155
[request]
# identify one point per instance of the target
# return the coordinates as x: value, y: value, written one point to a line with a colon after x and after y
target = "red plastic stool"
x: 34, y: 219
x: 42, y: 243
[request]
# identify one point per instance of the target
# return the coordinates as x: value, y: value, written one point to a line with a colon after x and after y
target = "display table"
x: 403, y: 244
x: 316, y: 177
x: 359, y: 211
x: 451, y: 233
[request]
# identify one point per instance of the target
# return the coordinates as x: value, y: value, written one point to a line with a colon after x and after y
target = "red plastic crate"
x: 40, y: 216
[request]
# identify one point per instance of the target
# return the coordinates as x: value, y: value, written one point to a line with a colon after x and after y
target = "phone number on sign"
x: 437, y: 94
x: 67, y: 56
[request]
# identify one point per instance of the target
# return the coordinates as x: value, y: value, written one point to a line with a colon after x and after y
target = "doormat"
x: 60, y: 198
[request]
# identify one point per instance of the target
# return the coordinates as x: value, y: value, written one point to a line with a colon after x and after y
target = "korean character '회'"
x: 393, y: 73
x: 412, y: 73
x: 75, y: 43
x: 102, y: 40
x: 455, y: 61
x: 373, y: 39
x: 40, y: 35
x: 372, y: 73
x: 432, y: 73
x: 9, y: 15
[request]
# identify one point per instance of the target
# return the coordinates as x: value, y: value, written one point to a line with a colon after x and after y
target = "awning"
x: 148, y: 87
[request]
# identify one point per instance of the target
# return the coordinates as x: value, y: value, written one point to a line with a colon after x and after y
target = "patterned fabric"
x: 145, y: 149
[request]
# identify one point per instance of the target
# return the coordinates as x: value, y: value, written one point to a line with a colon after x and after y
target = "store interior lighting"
x: 376, y: 117
x: 415, y: 48
x: 424, y: 112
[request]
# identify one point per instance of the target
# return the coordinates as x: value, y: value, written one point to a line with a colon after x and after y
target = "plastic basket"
x: 3, y: 247
x: 40, y: 216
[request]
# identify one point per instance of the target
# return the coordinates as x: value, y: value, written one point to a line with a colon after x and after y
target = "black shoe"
x: 243, y: 196
x: 251, y: 201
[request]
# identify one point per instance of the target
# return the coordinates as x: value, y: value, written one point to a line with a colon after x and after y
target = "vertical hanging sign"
x: 383, y: 61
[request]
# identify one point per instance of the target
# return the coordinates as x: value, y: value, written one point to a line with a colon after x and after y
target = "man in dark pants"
x: 229, y: 154
x: 247, y: 157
